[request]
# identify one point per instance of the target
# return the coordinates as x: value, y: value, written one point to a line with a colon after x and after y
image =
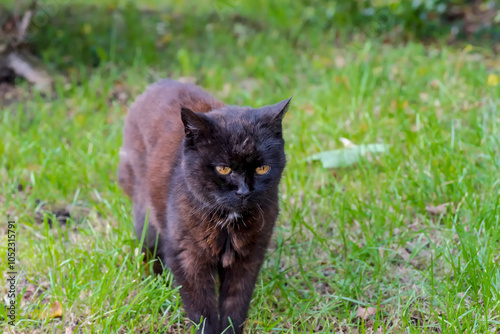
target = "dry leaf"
x: 365, y: 313
x: 28, y: 294
x: 30, y: 291
x: 436, y: 210
x: 55, y: 311
x: 492, y: 80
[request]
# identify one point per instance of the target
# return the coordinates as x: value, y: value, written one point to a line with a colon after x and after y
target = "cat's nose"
x: 243, y: 192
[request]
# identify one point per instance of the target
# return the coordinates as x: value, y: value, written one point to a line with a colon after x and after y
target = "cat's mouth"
x: 232, y: 211
x: 239, y: 206
x: 231, y: 208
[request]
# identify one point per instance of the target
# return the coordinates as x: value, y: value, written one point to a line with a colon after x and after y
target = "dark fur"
x: 209, y: 225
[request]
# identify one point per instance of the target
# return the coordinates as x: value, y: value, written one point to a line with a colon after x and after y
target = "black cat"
x: 208, y: 174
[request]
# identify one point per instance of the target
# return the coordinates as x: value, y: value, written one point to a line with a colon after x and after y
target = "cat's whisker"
x: 261, y: 217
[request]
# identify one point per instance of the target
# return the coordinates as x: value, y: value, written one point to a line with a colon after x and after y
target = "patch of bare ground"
x: 10, y: 94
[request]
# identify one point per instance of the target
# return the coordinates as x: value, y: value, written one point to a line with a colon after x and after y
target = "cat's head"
x: 233, y: 157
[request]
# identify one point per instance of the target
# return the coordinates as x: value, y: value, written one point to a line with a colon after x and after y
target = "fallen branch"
x: 14, y: 53
x: 23, y: 68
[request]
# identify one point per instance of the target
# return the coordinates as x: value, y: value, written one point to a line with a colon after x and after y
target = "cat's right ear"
x: 195, y: 125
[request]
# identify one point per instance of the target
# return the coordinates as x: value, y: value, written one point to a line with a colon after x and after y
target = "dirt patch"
x: 9, y: 93
x: 61, y: 215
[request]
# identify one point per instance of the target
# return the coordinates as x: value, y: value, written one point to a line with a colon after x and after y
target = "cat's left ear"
x: 277, y: 111
x: 196, y: 125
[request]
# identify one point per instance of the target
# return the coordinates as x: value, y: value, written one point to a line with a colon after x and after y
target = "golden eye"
x: 223, y: 170
x: 262, y: 169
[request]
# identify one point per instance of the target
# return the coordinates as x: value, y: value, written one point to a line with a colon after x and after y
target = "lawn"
x: 406, y: 241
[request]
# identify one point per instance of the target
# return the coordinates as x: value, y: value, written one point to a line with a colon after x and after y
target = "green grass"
x: 346, y: 238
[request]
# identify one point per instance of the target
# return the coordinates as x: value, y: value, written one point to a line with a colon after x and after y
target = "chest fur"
x: 226, y: 244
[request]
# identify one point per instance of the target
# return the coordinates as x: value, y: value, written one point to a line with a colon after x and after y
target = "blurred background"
x: 65, y: 35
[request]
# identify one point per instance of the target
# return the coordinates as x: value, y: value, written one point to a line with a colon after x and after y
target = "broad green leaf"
x: 347, y: 156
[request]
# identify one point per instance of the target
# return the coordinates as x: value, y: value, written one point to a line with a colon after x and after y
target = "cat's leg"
x: 198, y: 295
x: 236, y: 287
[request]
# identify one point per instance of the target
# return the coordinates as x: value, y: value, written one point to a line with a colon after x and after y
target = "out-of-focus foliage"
x: 454, y: 19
